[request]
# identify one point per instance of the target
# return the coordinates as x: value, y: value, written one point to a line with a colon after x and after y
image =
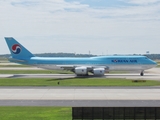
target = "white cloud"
x: 69, y: 25
x: 142, y: 2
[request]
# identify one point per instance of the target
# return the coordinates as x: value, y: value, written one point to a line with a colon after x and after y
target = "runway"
x: 151, y: 74
x: 76, y: 93
x: 132, y: 76
x: 80, y: 96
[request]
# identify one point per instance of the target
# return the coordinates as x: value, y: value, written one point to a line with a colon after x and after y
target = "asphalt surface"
x: 64, y: 93
x: 80, y: 96
x: 82, y: 103
x: 151, y: 74
x: 134, y: 76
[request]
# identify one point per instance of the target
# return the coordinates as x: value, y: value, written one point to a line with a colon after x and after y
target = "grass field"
x: 13, y: 65
x: 35, y: 72
x: 3, y: 59
x: 41, y: 71
x: 35, y: 113
x: 158, y: 63
x: 74, y: 82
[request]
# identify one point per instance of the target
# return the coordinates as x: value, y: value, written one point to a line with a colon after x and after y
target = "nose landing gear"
x: 141, y: 74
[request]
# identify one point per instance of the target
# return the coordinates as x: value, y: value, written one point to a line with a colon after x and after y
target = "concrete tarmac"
x: 76, y: 93
x: 151, y: 74
x: 80, y: 96
x: 134, y: 76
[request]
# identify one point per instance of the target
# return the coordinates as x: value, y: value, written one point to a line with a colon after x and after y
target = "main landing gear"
x: 142, y: 73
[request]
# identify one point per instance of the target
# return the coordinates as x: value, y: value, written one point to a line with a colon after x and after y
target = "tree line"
x: 151, y: 56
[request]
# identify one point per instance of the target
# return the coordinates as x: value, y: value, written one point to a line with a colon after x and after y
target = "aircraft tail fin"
x: 17, y: 50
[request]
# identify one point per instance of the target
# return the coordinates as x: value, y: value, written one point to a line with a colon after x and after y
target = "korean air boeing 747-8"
x: 80, y: 66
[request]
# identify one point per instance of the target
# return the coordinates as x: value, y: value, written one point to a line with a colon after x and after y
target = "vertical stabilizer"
x: 17, y: 50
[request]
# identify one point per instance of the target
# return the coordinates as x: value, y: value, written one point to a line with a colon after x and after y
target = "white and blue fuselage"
x: 80, y: 66
x: 112, y: 62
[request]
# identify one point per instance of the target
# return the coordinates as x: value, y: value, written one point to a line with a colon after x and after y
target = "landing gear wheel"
x: 141, y: 73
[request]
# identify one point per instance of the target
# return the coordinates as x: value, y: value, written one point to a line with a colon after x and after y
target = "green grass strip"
x: 1, y: 66
x: 74, y: 82
x: 34, y: 72
x: 40, y: 71
x: 35, y: 113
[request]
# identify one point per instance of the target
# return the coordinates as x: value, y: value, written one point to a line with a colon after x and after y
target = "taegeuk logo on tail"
x: 16, y: 49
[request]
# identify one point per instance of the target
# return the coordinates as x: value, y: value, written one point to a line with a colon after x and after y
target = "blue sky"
x: 101, y: 3
x: 79, y: 26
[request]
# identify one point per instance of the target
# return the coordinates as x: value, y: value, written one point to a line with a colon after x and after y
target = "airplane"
x: 98, y: 66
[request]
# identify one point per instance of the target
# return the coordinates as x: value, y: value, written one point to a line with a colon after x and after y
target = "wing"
x: 72, y: 67
x: 83, y: 70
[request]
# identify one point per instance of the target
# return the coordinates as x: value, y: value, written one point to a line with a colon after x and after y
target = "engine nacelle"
x: 99, y: 71
x: 81, y: 71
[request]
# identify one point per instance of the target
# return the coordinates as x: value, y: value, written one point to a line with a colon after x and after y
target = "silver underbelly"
x: 130, y: 67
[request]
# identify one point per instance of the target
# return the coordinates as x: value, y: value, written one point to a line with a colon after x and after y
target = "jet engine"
x: 81, y: 71
x: 99, y: 71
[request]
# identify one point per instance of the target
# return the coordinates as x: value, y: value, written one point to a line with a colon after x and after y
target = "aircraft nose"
x: 154, y: 63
